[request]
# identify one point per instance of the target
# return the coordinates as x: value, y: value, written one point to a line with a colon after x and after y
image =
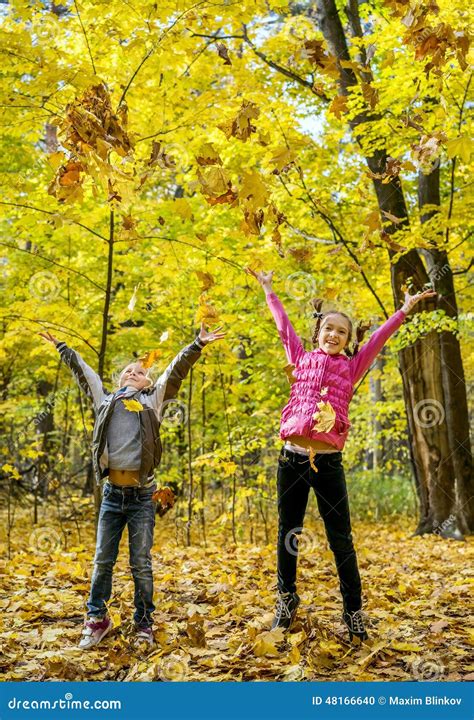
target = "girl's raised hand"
x: 49, y: 338
x: 264, y: 278
x: 411, y: 300
x: 210, y: 337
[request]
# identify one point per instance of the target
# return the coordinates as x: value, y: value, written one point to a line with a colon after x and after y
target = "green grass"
x: 377, y: 495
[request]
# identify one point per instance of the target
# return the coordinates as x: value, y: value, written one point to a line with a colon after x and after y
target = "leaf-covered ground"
x: 214, y: 605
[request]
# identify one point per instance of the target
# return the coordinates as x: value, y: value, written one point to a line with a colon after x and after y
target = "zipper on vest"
x: 318, y: 391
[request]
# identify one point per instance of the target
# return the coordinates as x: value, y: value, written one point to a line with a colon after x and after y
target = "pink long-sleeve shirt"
x: 319, y: 376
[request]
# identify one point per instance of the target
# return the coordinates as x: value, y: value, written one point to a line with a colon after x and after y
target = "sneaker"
x: 355, y: 624
x: 94, y: 630
x: 144, y: 634
x: 285, y: 610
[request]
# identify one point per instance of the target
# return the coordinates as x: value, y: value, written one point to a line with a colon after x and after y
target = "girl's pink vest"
x: 315, y: 369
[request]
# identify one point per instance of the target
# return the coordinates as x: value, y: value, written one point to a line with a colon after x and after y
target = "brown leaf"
x: 223, y: 53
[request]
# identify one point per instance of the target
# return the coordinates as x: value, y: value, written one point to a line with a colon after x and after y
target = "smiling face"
x: 136, y: 376
x: 334, y: 333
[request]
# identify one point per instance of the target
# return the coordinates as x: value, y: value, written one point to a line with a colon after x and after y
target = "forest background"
x: 151, y: 151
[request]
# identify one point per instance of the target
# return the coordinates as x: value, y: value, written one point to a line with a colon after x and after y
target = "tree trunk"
x: 455, y: 406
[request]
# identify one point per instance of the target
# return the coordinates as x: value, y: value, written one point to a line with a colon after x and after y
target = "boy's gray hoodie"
x: 153, y: 399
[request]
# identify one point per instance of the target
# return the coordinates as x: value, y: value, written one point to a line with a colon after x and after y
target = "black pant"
x: 295, y: 477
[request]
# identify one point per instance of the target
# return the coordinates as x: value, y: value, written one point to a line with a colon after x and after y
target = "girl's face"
x: 333, y: 334
x: 135, y: 375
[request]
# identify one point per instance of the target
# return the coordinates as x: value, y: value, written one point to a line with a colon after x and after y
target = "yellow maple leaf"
x: 149, y: 358
x: 338, y: 106
x: 461, y: 146
x: 133, y: 405
x: 265, y: 643
x: 324, y: 416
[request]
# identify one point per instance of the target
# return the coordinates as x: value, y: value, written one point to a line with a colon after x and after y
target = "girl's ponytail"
x: 317, y: 305
x: 360, y: 330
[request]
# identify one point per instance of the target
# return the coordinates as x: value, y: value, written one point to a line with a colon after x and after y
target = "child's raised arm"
x: 86, y: 378
x: 169, y: 382
x: 368, y: 352
x: 291, y: 342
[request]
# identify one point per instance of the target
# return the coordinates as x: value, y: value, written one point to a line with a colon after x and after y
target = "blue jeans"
x: 131, y: 506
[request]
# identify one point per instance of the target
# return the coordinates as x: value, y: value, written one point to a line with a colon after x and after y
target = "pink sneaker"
x: 94, y: 630
x: 144, y: 634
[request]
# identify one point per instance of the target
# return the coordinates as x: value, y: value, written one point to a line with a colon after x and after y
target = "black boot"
x: 285, y: 610
x: 355, y: 624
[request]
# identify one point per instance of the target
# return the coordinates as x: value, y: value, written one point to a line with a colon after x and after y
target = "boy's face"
x: 135, y: 375
x: 333, y: 334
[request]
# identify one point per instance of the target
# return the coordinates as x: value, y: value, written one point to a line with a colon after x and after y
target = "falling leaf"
x: 241, y: 126
x: 223, y: 53
x: 206, y: 279
x: 289, y: 373
x: 207, y: 155
x: 338, y: 106
x: 149, y: 358
x: 133, y: 299
x: 392, y: 218
x: 205, y: 312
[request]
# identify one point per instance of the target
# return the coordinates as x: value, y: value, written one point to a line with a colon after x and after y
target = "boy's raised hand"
x: 49, y: 338
x: 264, y: 278
x: 412, y: 300
x: 210, y: 337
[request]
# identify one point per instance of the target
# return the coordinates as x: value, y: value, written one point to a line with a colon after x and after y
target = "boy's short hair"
x: 117, y: 374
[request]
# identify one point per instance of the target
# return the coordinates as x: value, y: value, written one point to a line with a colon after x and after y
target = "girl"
x: 126, y: 448
x: 314, y: 425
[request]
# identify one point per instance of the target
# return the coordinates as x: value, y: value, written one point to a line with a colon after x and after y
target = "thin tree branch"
x: 453, y: 161
x: 338, y: 234
x: 153, y: 48
x: 53, y: 262
x: 195, y: 247
x: 85, y: 37
x: 48, y: 323
x: 50, y: 212
x: 461, y: 272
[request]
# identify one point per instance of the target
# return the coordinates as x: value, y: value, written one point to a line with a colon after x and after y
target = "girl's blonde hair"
x: 360, y: 330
